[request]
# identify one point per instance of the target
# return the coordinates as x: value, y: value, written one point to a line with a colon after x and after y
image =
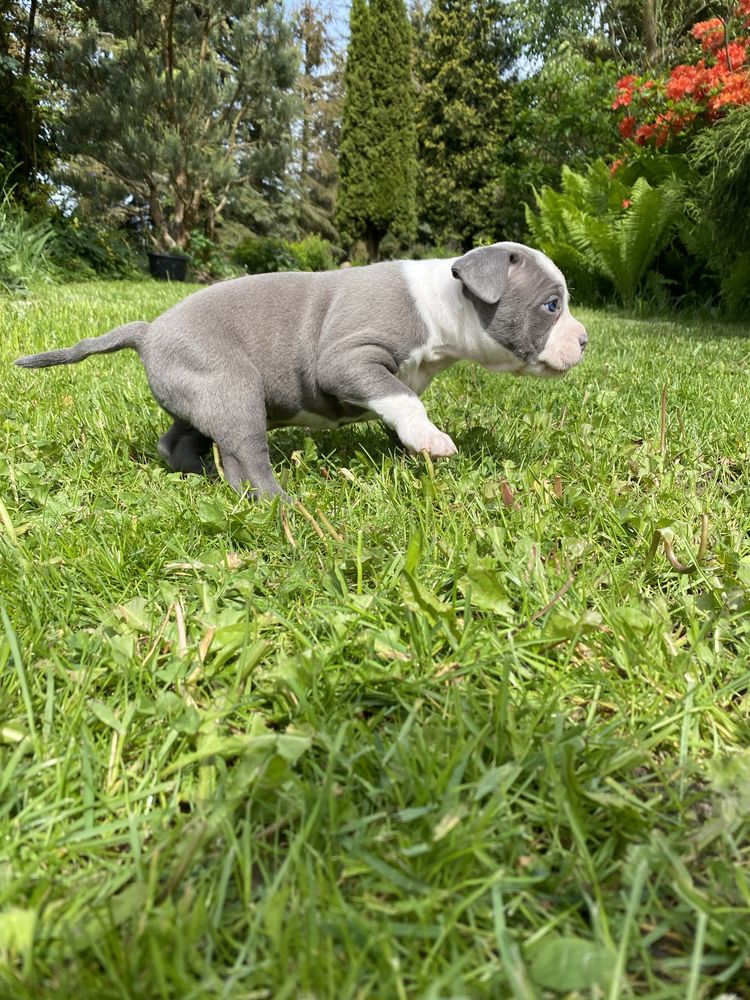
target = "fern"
x: 22, y: 246
x: 644, y: 230
x: 599, y: 226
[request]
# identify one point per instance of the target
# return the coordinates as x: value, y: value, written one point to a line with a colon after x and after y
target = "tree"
x: 377, y: 161
x: 184, y: 106
x: 319, y: 85
x: 463, y: 68
x: 638, y: 33
x: 25, y: 118
x: 561, y: 116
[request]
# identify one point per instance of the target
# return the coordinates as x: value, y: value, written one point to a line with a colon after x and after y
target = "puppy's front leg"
x: 366, y: 377
x: 404, y: 413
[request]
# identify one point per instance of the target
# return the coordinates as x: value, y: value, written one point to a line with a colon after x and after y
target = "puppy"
x: 241, y: 357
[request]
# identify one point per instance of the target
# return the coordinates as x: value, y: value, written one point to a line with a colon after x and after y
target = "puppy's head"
x: 521, y: 303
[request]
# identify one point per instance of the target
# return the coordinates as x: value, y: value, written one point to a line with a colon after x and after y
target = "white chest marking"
x: 454, y: 331
x: 420, y: 368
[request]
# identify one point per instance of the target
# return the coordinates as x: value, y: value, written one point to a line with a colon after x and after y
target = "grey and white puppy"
x: 243, y: 356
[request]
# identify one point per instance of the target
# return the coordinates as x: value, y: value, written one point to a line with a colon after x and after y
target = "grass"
x: 451, y: 731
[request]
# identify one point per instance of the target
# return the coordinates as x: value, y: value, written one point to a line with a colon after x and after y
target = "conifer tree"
x: 320, y: 87
x: 183, y: 107
x: 463, y: 69
x: 377, y: 163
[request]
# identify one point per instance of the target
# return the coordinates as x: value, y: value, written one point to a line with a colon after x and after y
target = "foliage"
x: 185, y: 107
x: 455, y: 742
x: 27, y: 112
x: 735, y: 286
x: 356, y: 186
x: 637, y: 33
x: 663, y: 109
x: 377, y: 159
x: 721, y: 157
x: 702, y: 111
x: 84, y: 250
x: 24, y: 245
x: 599, y: 226
x: 315, y: 253
x: 561, y: 117
x: 463, y: 65
x: 208, y: 261
x: 262, y: 254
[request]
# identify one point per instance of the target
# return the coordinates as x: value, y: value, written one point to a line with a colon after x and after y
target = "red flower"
x: 624, y: 91
x: 711, y: 34
x: 626, y: 202
x: 735, y: 92
x: 644, y: 133
x: 626, y: 82
x: 618, y: 163
x: 684, y: 80
x: 694, y: 93
x: 731, y: 56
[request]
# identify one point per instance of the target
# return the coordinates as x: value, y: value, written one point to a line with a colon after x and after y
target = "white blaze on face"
x: 567, y: 339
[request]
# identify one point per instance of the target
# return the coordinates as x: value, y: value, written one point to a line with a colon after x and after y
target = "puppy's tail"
x: 130, y: 335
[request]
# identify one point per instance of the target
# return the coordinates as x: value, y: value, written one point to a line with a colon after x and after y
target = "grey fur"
x: 129, y: 335
x: 246, y: 355
x: 484, y: 273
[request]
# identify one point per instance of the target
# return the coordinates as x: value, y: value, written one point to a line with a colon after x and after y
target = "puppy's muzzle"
x: 565, y: 346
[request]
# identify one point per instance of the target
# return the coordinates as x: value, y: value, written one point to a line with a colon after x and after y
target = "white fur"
x: 454, y: 331
x: 408, y: 418
x: 563, y: 348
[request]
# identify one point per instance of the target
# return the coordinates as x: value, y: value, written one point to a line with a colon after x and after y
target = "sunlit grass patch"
x: 454, y: 730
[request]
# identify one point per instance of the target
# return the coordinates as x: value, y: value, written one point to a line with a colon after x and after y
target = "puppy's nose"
x: 583, y: 339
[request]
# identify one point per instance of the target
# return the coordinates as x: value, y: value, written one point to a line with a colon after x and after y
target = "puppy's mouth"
x: 540, y: 369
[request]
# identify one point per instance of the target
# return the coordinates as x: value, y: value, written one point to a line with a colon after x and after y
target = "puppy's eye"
x: 551, y: 306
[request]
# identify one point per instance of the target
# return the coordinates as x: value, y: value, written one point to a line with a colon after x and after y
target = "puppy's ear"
x: 484, y: 271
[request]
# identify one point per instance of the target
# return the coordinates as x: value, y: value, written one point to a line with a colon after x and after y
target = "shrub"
x: 735, y: 286
x: 81, y: 251
x: 721, y: 157
x: 23, y: 246
x: 600, y: 230
x: 662, y: 110
x: 207, y: 259
x: 264, y: 254
x: 314, y: 253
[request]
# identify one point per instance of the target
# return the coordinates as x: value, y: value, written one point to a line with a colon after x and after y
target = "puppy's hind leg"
x: 185, y: 449
x: 234, y: 416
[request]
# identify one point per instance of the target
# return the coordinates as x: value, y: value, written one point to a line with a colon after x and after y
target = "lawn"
x: 451, y: 730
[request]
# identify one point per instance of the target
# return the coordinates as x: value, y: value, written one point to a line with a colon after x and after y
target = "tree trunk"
x: 29, y: 38
x: 373, y: 237
x: 163, y: 238
x: 650, y: 40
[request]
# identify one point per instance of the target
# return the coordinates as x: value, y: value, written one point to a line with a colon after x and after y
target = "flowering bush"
x: 693, y: 94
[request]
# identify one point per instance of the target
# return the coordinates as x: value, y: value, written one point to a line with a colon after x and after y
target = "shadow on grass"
x: 680, y: 325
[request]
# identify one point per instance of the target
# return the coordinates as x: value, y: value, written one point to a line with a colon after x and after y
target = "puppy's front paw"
x: 428, y: 438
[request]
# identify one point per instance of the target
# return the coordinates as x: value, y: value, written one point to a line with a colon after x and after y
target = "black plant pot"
x: 168, y: 266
